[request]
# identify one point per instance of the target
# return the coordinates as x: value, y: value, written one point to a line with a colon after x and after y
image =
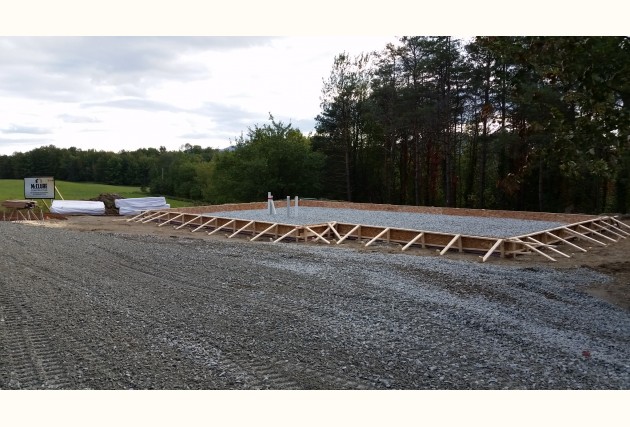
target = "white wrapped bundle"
x: 136, y: 205
x: 140, y: 202
x: 77, y: 207
x: 134, y: 211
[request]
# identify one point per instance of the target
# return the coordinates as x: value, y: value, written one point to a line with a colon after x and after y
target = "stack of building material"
x: 140, y: 204
x: 19, y: 204
x: 77, y: 207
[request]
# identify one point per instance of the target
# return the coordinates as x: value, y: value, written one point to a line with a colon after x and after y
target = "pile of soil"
x: 109, y: 200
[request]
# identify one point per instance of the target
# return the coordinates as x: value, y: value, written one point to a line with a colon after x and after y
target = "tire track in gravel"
x: 260, y: 371
x: 29, y: 360
x: 39, y: 339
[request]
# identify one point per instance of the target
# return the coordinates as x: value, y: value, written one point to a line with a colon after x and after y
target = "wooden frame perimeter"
x: 599, y: 231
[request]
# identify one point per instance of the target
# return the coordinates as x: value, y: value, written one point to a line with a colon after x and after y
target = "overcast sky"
x: 114, y: 93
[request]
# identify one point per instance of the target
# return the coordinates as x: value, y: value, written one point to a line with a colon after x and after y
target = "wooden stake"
x: 153, y: 218
x: 414, y: 240
x: 621, y: 224
x: 582, y: 236
x: 151, y: 215
x: 334, y: 230
x: 240, y: 229
x: 595, y: 232
x: 286, y: 234
x: 172, y: 219
x: 551, y: 248
x: 610, y: 228
x: 188, y: 222
x: 566, y: 242
x: 492, y: 249
x: 355, y: 228
x: 527, y: 245
x: 204, y: 224
x: 210, y: 233
x: 377, y: 236
x: 263, y: 232
x: 625, y: 233
x: 138, y: 216
x: 451, y: 243
x: 319, y: 236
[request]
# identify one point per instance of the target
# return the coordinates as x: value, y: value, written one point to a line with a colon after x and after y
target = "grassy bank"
x: 14, y: 189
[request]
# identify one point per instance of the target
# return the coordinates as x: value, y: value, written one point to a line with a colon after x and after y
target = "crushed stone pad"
x: 467, y: 225
x: 86, y: 310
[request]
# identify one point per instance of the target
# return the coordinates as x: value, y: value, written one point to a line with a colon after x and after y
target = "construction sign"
x: 40, y: 187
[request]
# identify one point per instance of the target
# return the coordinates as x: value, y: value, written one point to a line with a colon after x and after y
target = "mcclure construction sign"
x: 41, y: 187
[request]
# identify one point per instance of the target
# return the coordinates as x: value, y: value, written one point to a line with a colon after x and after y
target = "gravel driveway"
x: 90, y: 310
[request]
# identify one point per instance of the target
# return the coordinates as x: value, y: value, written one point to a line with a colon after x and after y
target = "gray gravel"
x: 104, y: 311
x: 467, y: 225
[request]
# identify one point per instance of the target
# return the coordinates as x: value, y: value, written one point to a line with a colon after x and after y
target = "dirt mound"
x: 109, y: 200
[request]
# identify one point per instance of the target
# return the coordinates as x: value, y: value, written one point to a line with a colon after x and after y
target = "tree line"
x: 528, y: 123
x: 272, y: 157
x: 520, y: 123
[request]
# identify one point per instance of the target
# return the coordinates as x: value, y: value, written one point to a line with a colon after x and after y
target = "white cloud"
x: 114, y: 93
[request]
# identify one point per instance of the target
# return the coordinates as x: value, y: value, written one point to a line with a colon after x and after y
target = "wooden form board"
x: 577, y: 236
x: 18, y: 214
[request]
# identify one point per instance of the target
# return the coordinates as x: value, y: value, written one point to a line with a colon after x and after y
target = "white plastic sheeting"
x: 136, y: 205
x: 77, y: 207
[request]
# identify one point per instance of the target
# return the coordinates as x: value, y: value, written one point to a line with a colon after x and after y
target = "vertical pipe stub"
x: 270, y: 205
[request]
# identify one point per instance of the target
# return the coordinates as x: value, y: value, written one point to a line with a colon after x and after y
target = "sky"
x: 121, y: 75
x: 123, y: 93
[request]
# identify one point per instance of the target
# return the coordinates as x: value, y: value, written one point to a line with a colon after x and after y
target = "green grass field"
x: 14, y: 189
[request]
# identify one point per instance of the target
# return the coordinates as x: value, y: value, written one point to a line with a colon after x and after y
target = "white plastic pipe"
x: 270, y: 205
x: 288, y: 206
x: 295, y: 210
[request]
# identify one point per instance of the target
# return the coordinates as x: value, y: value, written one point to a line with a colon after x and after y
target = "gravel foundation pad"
x: 468, y: 225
